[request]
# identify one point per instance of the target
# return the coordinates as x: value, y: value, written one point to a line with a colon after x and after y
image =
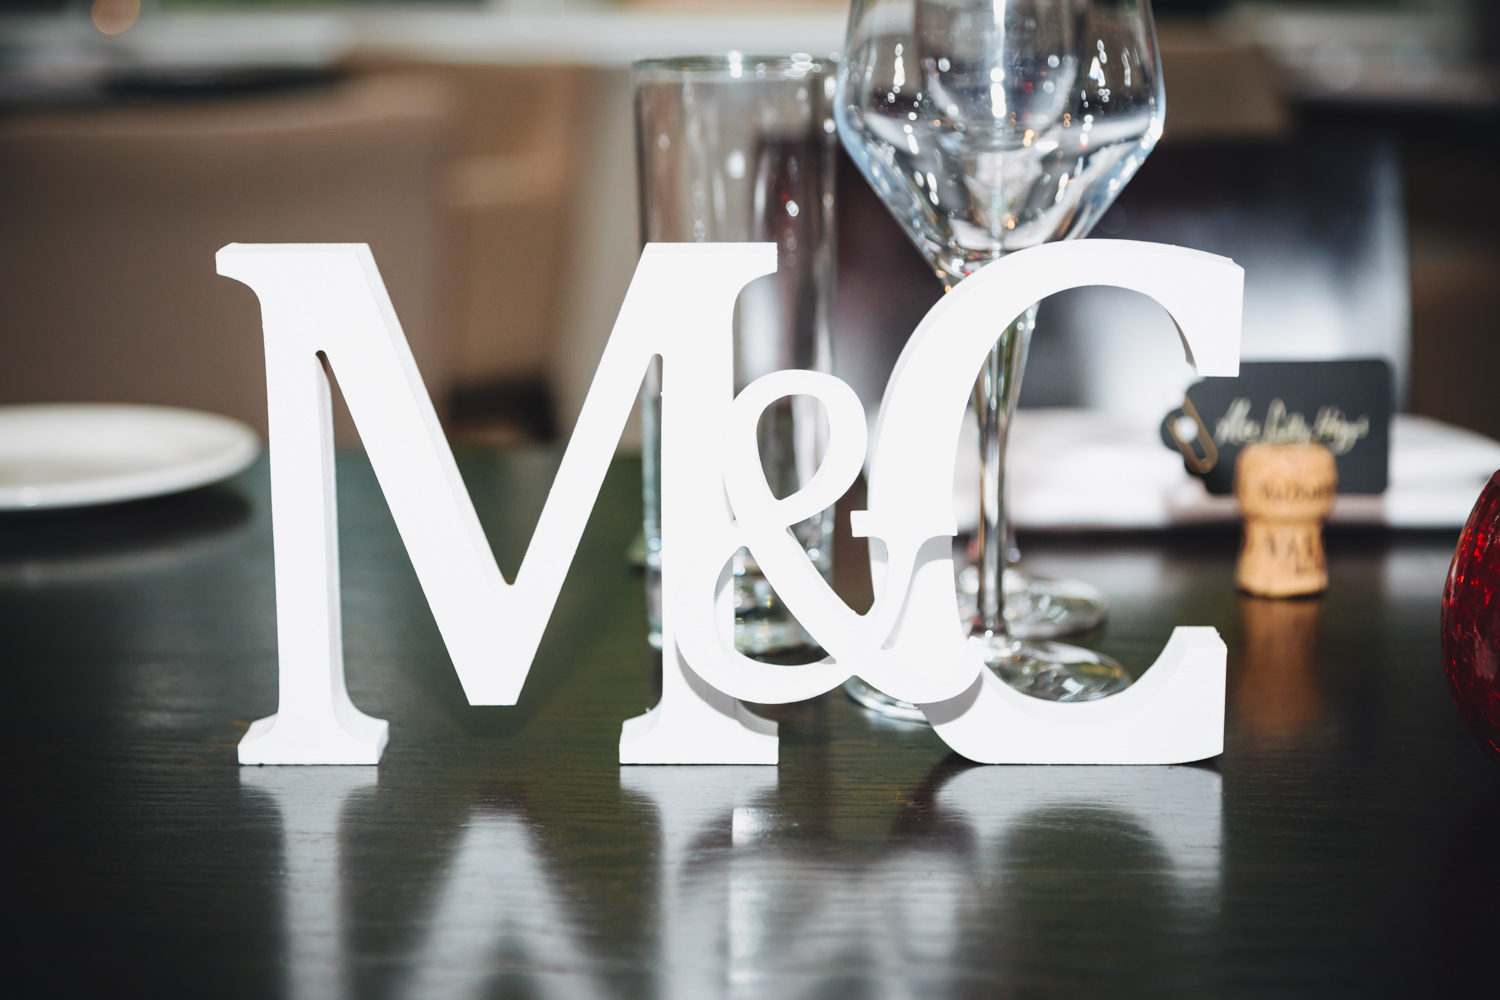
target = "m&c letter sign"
x: 326, y: 303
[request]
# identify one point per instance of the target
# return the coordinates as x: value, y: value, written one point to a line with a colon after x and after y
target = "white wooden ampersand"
x: 328, y: 302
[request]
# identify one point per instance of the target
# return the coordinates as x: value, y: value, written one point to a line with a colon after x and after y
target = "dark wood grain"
x: 1344, y: 844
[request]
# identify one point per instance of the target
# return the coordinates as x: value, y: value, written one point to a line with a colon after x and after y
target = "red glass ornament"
x: 1471, y: 621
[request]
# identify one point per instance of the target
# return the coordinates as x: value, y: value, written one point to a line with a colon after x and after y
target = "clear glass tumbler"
x: 739, y: 148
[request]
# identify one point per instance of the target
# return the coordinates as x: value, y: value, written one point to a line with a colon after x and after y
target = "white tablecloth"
x: 1076, y: 468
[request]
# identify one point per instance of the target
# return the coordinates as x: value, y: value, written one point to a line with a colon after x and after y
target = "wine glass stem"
x: 995, y: 395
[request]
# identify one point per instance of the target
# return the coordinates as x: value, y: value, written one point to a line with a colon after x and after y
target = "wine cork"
x: 1285, y: 491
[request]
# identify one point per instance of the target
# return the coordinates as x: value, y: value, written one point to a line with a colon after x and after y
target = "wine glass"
x: 987, y: 126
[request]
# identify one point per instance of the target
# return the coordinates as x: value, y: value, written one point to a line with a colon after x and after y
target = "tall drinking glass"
x: 739, y: 148
x: 987, y: 126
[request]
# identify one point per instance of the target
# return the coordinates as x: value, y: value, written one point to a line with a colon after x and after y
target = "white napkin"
x: 1076, y: 468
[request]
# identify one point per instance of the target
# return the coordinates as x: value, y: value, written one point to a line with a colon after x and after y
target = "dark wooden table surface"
x: 1346, y: 843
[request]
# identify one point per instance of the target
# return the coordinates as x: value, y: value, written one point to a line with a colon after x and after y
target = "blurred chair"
x: 508, y: 191
x: 110, y: 217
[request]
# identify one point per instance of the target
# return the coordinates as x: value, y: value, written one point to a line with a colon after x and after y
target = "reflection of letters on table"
x: 740, y: 904
x: 326, y: 305
x: 750, y: 910
x: 311, y: 803
x: 702, y: 910
x: 1179, y: 808
x: 497, y: 898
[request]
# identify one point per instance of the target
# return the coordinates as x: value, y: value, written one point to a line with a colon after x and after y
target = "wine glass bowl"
x: 988, y: 126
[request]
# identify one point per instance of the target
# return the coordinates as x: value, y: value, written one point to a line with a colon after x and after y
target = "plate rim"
x: 235, y: 457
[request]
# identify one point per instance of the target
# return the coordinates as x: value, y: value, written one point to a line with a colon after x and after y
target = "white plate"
x: 79, y: 454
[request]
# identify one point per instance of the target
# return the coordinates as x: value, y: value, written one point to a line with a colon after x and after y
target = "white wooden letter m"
x: 327, y: 301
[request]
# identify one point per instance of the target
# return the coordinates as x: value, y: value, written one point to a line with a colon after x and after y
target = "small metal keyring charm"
x: 1195, y: 462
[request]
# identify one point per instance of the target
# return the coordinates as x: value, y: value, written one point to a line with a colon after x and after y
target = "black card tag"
x: 1345, y: 405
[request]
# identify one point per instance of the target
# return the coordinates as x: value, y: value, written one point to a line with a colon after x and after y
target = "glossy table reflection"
x: 1343, y: 844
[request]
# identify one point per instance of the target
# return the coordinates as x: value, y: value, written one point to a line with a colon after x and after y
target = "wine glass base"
x: 1053, y: 608
x: 881, y: 703
x: 1053, y: 671
x: 1037, y: 608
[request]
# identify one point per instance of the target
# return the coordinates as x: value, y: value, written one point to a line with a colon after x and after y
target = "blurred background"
x: 1344, y: 152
